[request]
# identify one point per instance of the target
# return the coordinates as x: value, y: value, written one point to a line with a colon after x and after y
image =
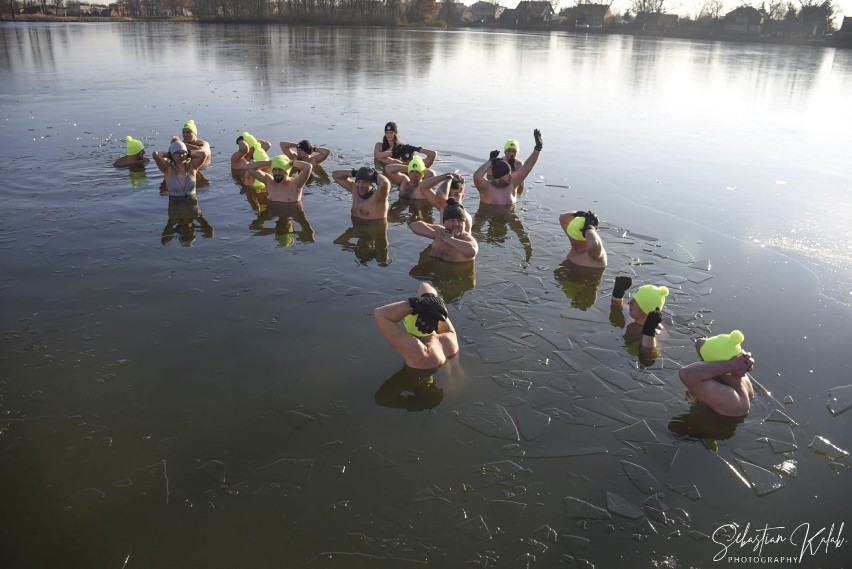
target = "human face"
x: 363, y: 187
x: 390, y: 134
x: 179, y: 156
x: 188, y: 135
x: 415, y: 177
x: 455, y: 226
x: 278, y: 174
x: 636, y: 312
x: 503, y: 181
x: 510, y: 153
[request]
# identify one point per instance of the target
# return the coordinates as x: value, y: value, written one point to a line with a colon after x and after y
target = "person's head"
x: 501, y: 173
x: 410, y: 323
x: 364, y: 180
x: 134, y: 147
x: 178, y: 152
x: 647, y: 299
x: 511, y: 149
x: 304, y: 149
x: 189, y: 131
x: 720, y: 348
x: 453, y: 217
x: 391, y: 132
x: 416, y: 169
x: 457, y: 188
x: 281, y: 166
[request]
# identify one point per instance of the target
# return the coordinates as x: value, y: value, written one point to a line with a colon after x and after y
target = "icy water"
x: 227, y: 401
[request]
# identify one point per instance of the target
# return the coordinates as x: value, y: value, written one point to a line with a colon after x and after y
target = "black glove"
x: 621, y: 285
x: 537, y: 136
x: 374, y: 177
x: 591, y: 221
x: 430, y: 310
x: 353, y: 172
x: 494, y: 154
x: 417, y: 148
x: 651, y: 322
x: 396, y: 151
x: 415, y: 305
x: 408, y: 152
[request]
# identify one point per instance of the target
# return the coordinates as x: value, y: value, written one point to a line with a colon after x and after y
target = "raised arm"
x: 423, y: 229
x: 305, y: 169
x: 434, y: 197
x: 430, y: 156
x: 197, y: 158
x: 321, y: 154
x: 289, y: 149
x: 253, y: 168
x: 160, y: 161
x: 479, y: 180
x: 519, y: 175
x: 344, y: 178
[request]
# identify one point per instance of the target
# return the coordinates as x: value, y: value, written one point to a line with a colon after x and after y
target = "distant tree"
x: 773, y: 10
x: 712, y: 9
x: 817, y: 19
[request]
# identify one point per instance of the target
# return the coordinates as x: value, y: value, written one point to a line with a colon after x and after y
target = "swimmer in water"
x: 369, y: 191
x: 438, y: 189
x: 720, y: 380
x: 192, y: 142
x: 419, y: 329
x: 389, y: 142
x: 502, y: 188
x: 587, y: 248
x: 510, y: 156
x: 645, y: 311
x: 280, y: 186
x: 246, y: 144
x: 134, y: 158
x: 305, y: 151
x: 450, y: 240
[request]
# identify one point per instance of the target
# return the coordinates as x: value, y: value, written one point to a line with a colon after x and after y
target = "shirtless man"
x: 720, y: 380
x: 246, y: 144
x: 437, y: 189
x: 502, y: 188
x: 587, y: 249
x: 190, y: 138
x: 135, y: 155
x: 280, y: 186
x: 305, y: 151
x: 426, y: 338
x: 646, y: 317
x: 450, y: 240
x: 409, y: 187
x: 369, y: 191
x: 510, y: 155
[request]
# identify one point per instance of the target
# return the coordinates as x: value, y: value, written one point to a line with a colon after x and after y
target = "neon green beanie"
x: 190, y: 124
x: 410, y: 323
x: 133, y: 146
x: 512, y: 144
x: 651, y: 298
x: 722, y: 347
x: 575, y: 228
x: 417, y: 165
x: 250, y: 140
x: 281, y: 162
x: 260, y: 154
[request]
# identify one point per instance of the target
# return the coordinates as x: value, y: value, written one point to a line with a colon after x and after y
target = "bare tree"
x: 712, y: 9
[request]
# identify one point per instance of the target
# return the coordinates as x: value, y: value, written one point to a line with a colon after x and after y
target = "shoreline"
x: 40, y: 18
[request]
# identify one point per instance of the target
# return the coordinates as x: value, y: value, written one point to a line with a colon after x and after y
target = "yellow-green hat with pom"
x: 651, y: 297
x: 512, y: 144
x: 575, y: 228
x: 190, y: 124
x: 722, y: 347
x: 133, y: 146
x: 417, y: 165
x: 281, y: 162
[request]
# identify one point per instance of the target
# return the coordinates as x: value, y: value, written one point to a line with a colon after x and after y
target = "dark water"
x: 231, y: 403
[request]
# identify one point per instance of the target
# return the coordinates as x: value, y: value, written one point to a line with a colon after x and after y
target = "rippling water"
x: 230, y: 402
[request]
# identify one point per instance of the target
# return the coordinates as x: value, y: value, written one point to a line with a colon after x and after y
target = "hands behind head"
x: 654, y: 319
x: 537, y: 136
x: 404, y: 151
x: 741, y: 365
x: 622, y: 283
x: 493, y: 155
x: 429, y: 309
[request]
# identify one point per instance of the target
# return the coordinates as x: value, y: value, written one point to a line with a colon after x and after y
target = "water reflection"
x: 492, y: 222
x: 410, y: 389
x: 185, y: 218
x: 452, y: 280
x: 580, y: 284
x: 368, y: 239
x: 703, y: 424
x: 406, y: 212
x: 285, y: 214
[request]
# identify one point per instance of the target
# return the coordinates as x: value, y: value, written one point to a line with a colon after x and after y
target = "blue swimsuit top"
x: 176, y: 190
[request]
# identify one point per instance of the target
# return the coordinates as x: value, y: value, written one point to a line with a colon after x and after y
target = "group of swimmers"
x: 419, y: 328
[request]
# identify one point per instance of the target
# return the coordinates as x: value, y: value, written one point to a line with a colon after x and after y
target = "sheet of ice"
x: 490, y: 419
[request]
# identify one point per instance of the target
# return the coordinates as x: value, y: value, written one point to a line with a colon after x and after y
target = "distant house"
x: 485, y: 12
x: 592, y: 16
x: 657, y: 22
x: 744, y: 20
x: 843, y: 36
x: 529, y: 13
